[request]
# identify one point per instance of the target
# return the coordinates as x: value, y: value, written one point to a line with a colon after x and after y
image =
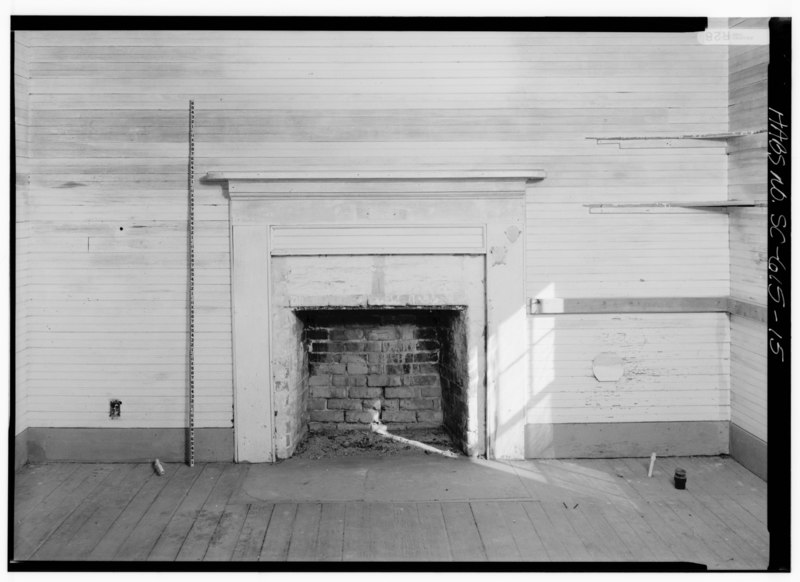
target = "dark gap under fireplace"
x: 405, y: 368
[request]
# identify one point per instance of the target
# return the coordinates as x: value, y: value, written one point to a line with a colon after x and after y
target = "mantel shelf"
x: 529, y: 175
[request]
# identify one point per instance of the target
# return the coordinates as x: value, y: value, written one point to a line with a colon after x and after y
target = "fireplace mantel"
x: 376, y: 239
x: 376, y: 184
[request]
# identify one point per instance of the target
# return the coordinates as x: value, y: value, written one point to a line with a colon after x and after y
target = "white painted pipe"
x: 652, y: 464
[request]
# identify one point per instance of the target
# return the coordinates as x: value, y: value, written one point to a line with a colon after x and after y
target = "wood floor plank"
x: 497, y: 540
x: 407, y: 532
x: 756, y: 529
x: 330, y: 541
x: 226, y: 534
x: 462, y: 532
x: 592, y: 540
x: 433, y: 532
x: 251, y: 538
x: 40, y: 522
x: 171, y: 539
x: 356, y: 533
x: 529, y: 544
x: 553, y: 545
x: 663, y: 519
x: 279, y: 533
x: 33, y: 483
x: 565, y: 531
x: 57, y: 546
x: 123, y: 525
x: 725, y: 539
x: 631, y: 527
x: 382, y: 532
x: 606, y: 533
x: 304, y: 533
x: 196, y: 543
x: 144, y: 535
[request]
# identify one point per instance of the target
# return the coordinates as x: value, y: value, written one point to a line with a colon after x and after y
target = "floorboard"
x: 407, y: 529
x: 107, y: 512
x: 132, y: 513
x: 42, y: 520
x: 56, y: 545
x: 279, y: 533
x: 356, y: 545
x: 553, y: 544
x: 304, y: 533
x: 569, y: 511
x: 33, y: 483
x: 226, y: 534
x: 529, y: 545
x: 139, y: 543
x: 251, y: 537
x: 433, y: 532
x: 196, y: 542
x: 330, y: 541
x: 465, y: 541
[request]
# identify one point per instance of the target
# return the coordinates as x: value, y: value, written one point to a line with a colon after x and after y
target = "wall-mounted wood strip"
x: 629, y: 305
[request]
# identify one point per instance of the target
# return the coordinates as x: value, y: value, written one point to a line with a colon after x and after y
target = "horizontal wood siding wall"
x: 676, y: 366
x: 22, y: 231
x: 747, y: 171
x: 109, y: 190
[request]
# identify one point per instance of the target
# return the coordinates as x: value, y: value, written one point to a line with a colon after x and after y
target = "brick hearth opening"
x: 405, y: 368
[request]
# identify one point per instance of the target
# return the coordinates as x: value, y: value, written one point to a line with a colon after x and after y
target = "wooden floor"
x: 584, y: 510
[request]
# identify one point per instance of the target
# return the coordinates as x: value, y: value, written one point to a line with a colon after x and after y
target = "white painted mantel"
x: 377, y: 213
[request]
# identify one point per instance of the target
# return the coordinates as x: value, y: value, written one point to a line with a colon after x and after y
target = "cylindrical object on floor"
x: 680, y: 479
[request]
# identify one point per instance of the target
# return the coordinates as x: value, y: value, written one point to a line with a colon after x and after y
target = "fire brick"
x: 378, y: 380
x: 404, y: 392
x: 362, y: 416
x: 344, y: 404
x: 356, y: 369
x: 429, y: 415
x: 365, y: 392
x: 414, y: 403
x: 399, y: 416
x: 328, y: 392
x: 327, y: 415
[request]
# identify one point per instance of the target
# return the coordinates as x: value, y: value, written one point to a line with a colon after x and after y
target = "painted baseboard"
x: 749, y: 451
x: 625, y: 439
x: 127, y: 444
x: 20, y: 449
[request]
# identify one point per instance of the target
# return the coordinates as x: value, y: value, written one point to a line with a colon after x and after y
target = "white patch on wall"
x: 607, y: 367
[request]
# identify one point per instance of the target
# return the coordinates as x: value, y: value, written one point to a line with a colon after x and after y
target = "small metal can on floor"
x: 680, y: 479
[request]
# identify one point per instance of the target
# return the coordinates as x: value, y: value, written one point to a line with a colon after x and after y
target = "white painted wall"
x: 107, y: 284
x: 22, y: 122
x: 747, y: 175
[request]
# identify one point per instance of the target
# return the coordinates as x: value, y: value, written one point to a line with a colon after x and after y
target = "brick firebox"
x: 403, y: 368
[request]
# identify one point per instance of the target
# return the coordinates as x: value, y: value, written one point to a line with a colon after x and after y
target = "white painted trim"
x: 252, y: 383
x: 506, y: 310
x: 476, y: 247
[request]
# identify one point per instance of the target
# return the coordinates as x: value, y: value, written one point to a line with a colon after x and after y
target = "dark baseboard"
x: 20, y: 449
x: 749, y: 451
x: 127, y: 445
x: 625, y: 439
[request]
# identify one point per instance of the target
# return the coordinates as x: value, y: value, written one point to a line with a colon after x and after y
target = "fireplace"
x: 436, y: 255
x: 402, y: 368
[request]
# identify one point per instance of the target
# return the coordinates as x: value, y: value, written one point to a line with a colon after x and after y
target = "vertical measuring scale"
x: 191, y: 282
